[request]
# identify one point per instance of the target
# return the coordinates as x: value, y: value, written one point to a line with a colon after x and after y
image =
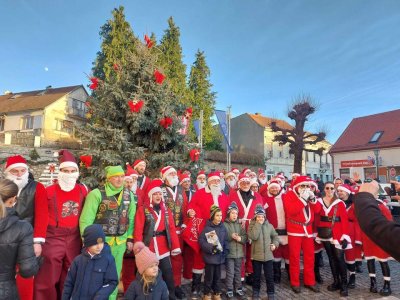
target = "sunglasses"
x: 329, y: 188
x: 304, y: 186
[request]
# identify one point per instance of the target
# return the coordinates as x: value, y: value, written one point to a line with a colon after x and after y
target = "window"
x: 27, y: 122
x: 64, y: 125
x: 376, y: 136
x: 78, y: 104
x: 2, y: 120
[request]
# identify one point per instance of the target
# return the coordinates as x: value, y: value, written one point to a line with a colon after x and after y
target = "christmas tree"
x: 134, y: 114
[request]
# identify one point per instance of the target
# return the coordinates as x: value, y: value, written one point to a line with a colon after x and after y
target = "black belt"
x: 299, y: 223
x: 158, y: 233
x: 281, y: 231
x: 329, y: 219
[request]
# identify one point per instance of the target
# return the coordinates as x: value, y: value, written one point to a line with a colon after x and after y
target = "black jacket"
x: 158, y: 291
x: 384, y: 233
x: 91, y: 277
x: 16, y: 247
x: 210, y: 256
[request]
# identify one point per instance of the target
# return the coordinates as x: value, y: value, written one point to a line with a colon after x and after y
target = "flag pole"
x: 228, y: 153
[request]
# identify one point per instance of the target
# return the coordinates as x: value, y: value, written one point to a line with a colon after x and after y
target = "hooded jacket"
x: 209, y: 255
x: 16, y: 247
x: 235, y: 247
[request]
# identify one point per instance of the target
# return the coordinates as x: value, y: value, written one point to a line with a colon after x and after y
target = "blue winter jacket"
x: 157, y: 291
x: 209, y: 255
x: 91, y: 277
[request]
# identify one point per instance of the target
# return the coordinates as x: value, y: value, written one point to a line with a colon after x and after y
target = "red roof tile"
x: 266, y: 121
x: 34, y: 99
x: 360, y: 131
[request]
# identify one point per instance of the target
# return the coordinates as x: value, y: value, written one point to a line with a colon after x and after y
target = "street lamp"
x: 376, y: 152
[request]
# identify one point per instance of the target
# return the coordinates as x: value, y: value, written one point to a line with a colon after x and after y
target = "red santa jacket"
x: 145, y: 183
x: 340, y: 229
x: 65, y: 208
x: 371, y: 250
x: 354, y: 227
x: 275, y: 213
x: 158, y: 243
x: 40, y: 213
x: 246, y: 212
x: 299, y: 215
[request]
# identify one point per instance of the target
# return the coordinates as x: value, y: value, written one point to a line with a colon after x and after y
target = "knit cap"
x: 259, y: 211
x: 114, y: 171
x: 93, y: 235
x: 232, y: 206
x: 214, y: 209
x: 144, y: 258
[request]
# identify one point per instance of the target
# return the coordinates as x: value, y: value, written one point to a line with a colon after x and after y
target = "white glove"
x: 311, y: 195
x: 305, y: 195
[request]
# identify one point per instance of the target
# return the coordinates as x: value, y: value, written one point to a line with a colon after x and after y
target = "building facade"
x: 42, y: 118
x: 369, y: 148
x: 251, y: 133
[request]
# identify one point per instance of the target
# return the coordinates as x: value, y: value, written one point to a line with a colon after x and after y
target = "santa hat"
x: 245, y: 170
x: 243, y: 177
x: 144, y: 257
x: 253, y: 174
x: 280, y: 176
x: 129, y: 171
x: 138, y: 162
x: 346, y: 188
x: 184, y: 177
x: 312, y: 182
x: 16, y: 161
x: 213, y: 175
x: 254, y: 181
x: 201, y: 172
x: 166, y: 171
x: 229, y: 174
x: 66, y: 159
x: 295, y: 175
x: 301, y: 180
x: 274, y: 183
x: 232, y: 206
x: 259, y: 211
x: 134, y: 174
x: 260, y: 172
x: 235, y: 170
x: 154, y: 186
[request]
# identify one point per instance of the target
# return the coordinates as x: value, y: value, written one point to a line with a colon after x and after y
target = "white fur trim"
x: 274, y: 184
x: 212, y: 178
x: 67, y: 164
x: 176, y: 251
x: 39, y: 240
x: 342, y: 188
x: 17, y: 165
x: 153, y: 190
x: 167, y: 172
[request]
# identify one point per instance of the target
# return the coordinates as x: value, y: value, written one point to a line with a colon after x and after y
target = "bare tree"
x: 297, y: 138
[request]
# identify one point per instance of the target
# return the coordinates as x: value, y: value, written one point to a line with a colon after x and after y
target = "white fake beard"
x: 246, y: 189
x: 215, y: 192
x: 232, y: 183
x: 222, y: 184
x: 67, y: 181
x: 201, y: 185
x: 134, y: 187
x: 173, y: 180
x: 263, y: 181
x: 21, y: 182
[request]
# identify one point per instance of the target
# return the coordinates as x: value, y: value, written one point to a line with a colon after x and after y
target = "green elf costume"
x: 114, y: 209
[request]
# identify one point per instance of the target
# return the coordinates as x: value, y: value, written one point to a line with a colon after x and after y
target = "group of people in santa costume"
x: 169, y: 213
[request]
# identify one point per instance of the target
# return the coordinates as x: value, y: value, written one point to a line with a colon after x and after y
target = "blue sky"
x: 262, y: 54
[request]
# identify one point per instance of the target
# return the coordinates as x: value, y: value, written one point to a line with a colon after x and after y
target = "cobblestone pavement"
x: 283, y: 290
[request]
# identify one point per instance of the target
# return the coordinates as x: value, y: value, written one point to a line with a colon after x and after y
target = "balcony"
x: 76, y: 113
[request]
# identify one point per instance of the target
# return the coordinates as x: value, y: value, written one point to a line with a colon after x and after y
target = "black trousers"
x: 212, y: 279
x: 268, y: 273
x: 167, y: 275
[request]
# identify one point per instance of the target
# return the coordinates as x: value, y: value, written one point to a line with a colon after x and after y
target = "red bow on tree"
x: 166, y: 122
x: 149, y: 42
x: 194, y: 154
x: 95, y: 83
x: 159, y: 77
x: 116, y: 67
x: 135, y: 105
x: 188, y: 112
x: 86, y: 160
x: 87, y: 104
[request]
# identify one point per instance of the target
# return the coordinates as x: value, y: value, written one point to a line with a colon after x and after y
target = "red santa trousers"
x: 198, y: 263
x: 25, y: 287
x: 188, y: 255
x: 296, y: 244
x: 61, y: 247
x: 177, y: 263
x: 282, y: 252
x: 128, y: 273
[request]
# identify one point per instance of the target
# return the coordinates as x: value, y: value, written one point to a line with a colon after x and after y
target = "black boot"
x: 249, y: 279
x: 358, y: 267
x: 385, y: 291
x: 317, y: 273
x: 352, y: 278
x: 287, y: 271
x: 271, y: 297
x: 371, y: 270
x: 277, y: 272
x: 196, y: 281
x: 256, y: 295
x: 334, y: 268
x: 342, y: 272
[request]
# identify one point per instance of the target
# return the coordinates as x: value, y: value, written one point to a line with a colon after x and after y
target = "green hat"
x: 214, y: 209
x: 114, y: 171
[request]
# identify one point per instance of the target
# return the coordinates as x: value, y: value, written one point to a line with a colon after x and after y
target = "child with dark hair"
x: 264, y: 240
x: 93, y: 274
x: 215, y: 247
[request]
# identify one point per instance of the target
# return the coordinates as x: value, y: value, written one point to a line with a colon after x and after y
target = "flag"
x: 223, y: 124
x: 196, y: 125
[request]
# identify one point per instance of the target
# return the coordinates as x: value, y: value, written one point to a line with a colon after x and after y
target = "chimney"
x: 7, y: 93
x: 48, y: 87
